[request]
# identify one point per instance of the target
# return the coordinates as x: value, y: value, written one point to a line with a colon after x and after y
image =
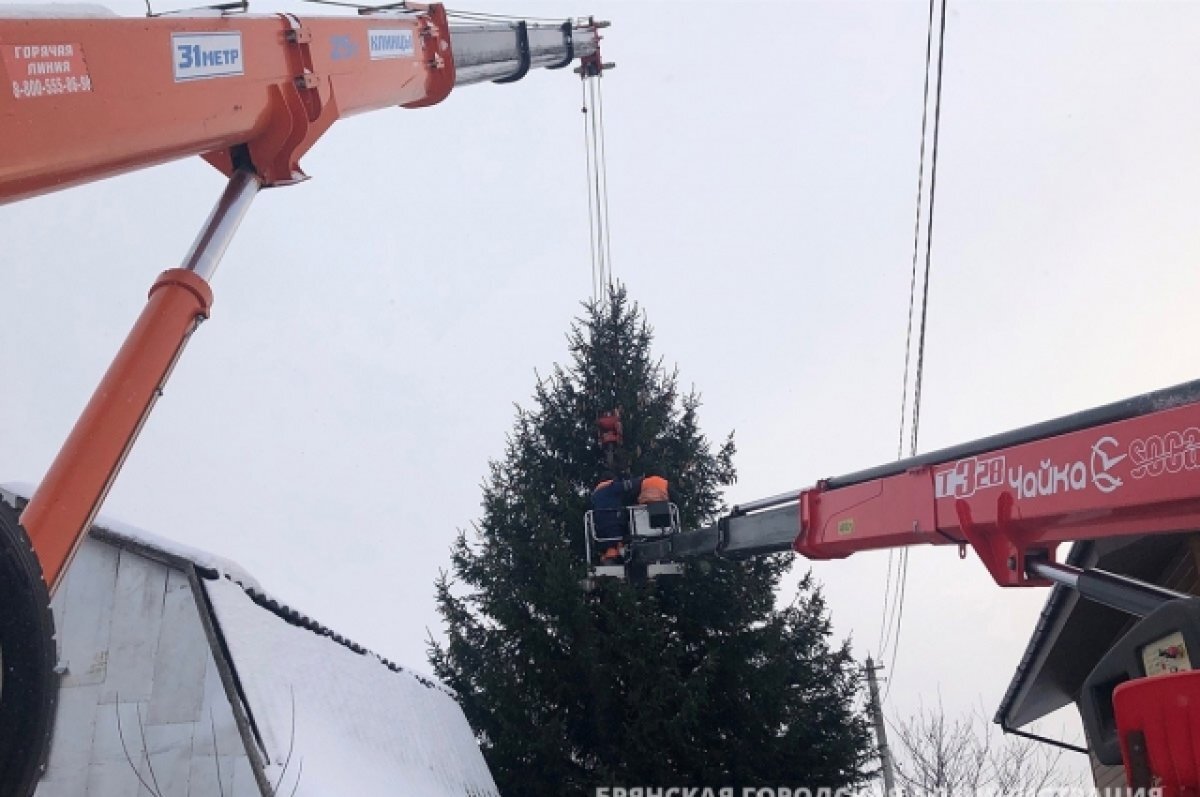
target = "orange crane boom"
x: 93, y: 96
x: 87, y: 95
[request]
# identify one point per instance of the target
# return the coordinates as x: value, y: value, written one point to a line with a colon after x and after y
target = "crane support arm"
x: 88, y: 97
x: 1125, y: 468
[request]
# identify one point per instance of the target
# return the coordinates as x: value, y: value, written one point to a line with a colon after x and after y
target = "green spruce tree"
x: 687, y: 680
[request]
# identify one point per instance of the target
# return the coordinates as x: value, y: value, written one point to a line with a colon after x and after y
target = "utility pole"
x: 885, y: 755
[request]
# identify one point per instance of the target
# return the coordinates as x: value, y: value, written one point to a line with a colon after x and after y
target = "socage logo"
x: 1103, y: 463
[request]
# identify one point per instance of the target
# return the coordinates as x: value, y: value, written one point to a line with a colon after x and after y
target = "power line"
x: 887, y: 594
x: 899, y: 619
x: 937, y: 127
x: 485, y: 16
x: 912, y: 285
x: 888, y: 619
x: 895, y: 619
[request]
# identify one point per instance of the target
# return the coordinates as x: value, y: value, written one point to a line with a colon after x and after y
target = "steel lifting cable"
x: 587, y: 148
x: 603, y: 177
x: 597, y: 186
x: 594, y: 188
x: 902, y: 581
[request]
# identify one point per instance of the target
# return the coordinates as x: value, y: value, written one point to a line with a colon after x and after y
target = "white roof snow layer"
x: 359, y: 728
x: 362, y: 727
x: 147, y: 539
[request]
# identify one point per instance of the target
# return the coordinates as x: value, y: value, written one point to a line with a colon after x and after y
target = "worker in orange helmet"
x: 653, y: 488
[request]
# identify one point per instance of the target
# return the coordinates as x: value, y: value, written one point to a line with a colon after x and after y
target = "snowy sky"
x: 330, y: 427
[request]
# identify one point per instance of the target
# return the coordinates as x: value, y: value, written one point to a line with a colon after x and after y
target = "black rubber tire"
x: 28, y: 655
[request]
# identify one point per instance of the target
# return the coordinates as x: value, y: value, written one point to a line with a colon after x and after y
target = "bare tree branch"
x: 125, y: 749
x: 291, y: 747
x: 146, y: 748
x: 216, y: 751
x: 939, y: 755
x: 299, y: 772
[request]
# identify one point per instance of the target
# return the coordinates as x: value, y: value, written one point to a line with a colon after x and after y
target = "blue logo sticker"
x: 342, y: 48
x: 391, y: 43
x: 206, y: 55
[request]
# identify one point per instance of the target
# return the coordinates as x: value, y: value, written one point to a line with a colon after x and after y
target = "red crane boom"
x: 1124, y: 469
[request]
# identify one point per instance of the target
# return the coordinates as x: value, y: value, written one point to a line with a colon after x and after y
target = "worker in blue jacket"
x: 609, y: 500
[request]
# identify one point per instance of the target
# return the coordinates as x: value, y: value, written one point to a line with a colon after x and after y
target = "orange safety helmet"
x: 654, y: 488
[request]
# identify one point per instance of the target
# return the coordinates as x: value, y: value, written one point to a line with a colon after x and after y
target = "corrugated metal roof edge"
x: 16, y: 493
x: 301, y: 620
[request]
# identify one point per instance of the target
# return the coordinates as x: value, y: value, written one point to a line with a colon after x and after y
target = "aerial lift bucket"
x: 1158, y: 722
x: 1141, y: 703
x: 654, y: 521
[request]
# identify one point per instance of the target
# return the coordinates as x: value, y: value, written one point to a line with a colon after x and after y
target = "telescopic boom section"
x: 92, y: 96
x: 1129, y: 468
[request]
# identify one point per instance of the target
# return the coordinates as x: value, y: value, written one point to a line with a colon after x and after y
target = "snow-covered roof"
x: 331, y: 716
x: 124, y: 532
x: 338, y: 721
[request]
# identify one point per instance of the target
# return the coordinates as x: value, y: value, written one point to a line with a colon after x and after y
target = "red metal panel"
x: 1164, y: 711
x: 1135, y: 476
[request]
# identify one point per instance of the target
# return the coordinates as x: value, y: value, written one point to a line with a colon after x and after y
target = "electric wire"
x: 403, y: 7
x: 885, y: 624
x: 896, y: 578
x: 483, y: 15
x: 937, y: 117
x: 899, y: 618
x: 918, y: 375
x: 916, y: 250
x: 400, y: 8
x: 887, y: 593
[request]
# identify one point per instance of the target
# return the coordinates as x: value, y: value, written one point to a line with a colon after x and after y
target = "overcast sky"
x: 330, y: 426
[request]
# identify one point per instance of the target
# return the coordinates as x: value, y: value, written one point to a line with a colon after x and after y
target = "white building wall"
x: 141, y: 697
